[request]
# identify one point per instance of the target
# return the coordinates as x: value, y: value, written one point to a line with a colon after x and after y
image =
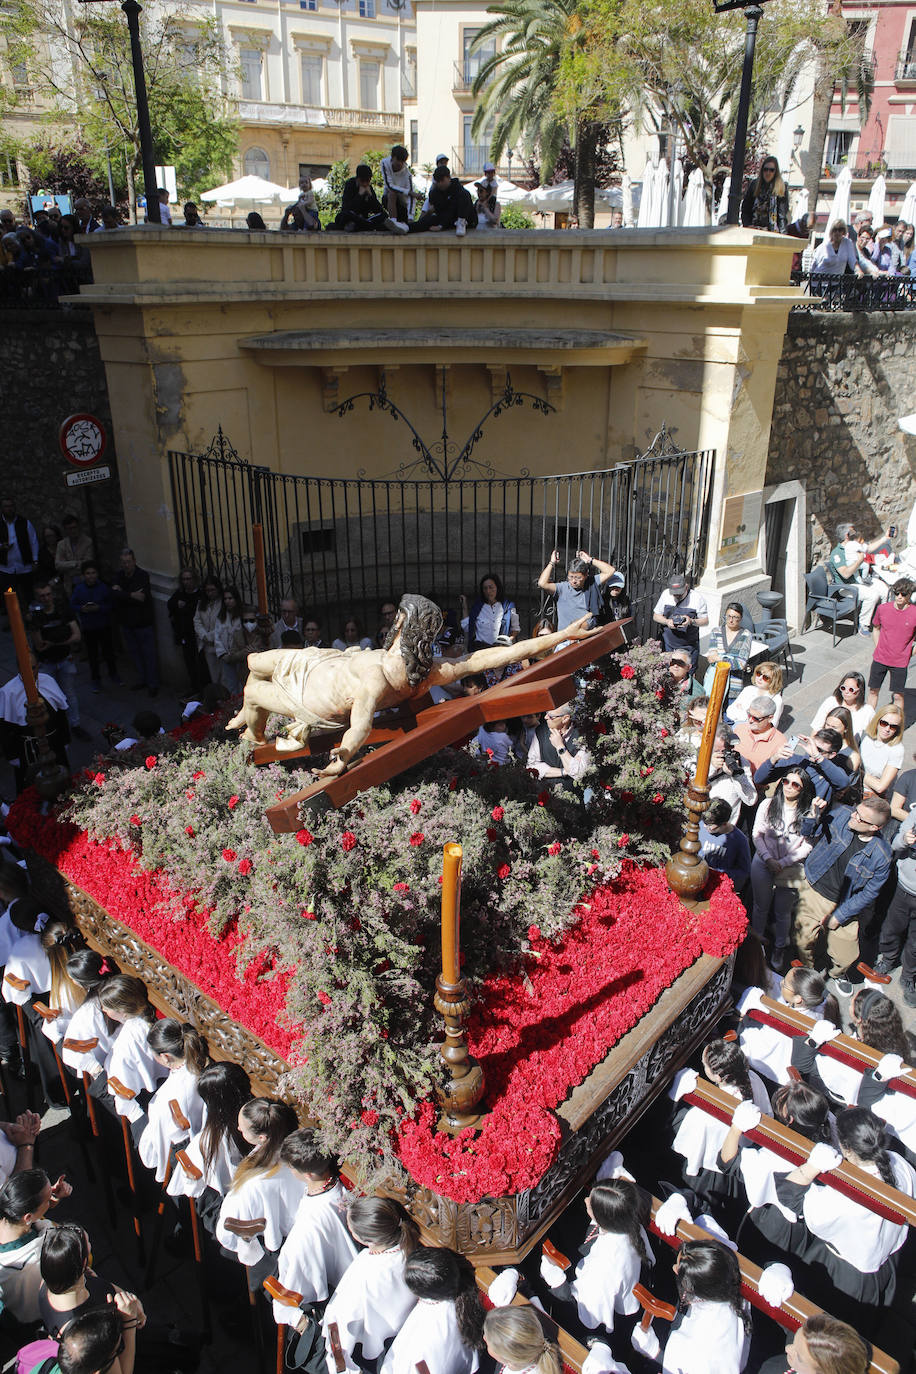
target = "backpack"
x: 38, y: 1357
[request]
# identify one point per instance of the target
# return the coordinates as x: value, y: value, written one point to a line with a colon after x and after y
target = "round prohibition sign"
x: 82, y: 440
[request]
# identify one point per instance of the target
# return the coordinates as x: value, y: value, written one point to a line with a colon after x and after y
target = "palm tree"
x: 516, y: 87
x: 839, y: 60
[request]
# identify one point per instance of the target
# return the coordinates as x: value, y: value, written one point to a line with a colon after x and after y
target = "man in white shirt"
x: 836, y: 253
x: 399, y: 196
x: 682, y: 612
x: 289, y: 620
x: 556, y: 753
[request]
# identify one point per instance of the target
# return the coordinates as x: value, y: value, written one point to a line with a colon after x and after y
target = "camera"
x: 731, y: 761
x: 680, y: 619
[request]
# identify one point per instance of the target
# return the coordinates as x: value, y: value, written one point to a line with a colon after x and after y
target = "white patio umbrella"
x: 626, y: 200
x: 801, y: 203
x: 876, y: 200
x: 908, y: 208
x: 660, y: 194
x: 558, y: 197
x: 722, y: 203
x: 695, y: 200
x: 644, y: 218
x: 251, y: 190
x: 676, y: 199
x: 840, y: 206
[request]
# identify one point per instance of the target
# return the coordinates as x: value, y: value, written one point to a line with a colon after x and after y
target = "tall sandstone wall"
x: 844, y: 381
x: 51, y: 369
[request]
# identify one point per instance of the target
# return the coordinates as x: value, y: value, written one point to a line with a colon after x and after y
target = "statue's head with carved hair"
x: 419, y: 624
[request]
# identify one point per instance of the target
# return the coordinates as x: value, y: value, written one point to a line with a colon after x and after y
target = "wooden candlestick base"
x: 463, y: 1085
x: 49, y: 777
x: 687, y: 873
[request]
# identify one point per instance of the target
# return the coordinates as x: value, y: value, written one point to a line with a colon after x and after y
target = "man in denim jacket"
x: 844, y: 873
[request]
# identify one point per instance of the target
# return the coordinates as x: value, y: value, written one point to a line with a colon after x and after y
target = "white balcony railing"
x: 319, y: 116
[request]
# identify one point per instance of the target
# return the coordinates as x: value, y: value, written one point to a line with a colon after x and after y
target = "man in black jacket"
x: 133, y: 601
x: 451, y: 206
x: 361, y: 209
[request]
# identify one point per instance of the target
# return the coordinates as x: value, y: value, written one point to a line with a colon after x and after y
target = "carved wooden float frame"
x: 594, y: 1118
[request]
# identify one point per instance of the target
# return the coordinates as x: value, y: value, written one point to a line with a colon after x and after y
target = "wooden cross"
x: 417, y: 729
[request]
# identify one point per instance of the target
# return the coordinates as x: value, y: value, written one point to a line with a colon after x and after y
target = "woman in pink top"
x: 894, y: 632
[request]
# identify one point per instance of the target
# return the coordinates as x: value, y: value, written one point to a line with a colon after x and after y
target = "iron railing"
x: 343, y: 546
x: 847, y: 292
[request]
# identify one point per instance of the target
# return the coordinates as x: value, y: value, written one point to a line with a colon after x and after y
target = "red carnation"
x: 627, y: 671
x: 347, y: 841
x: 417, y: 838
x: 534, y: 932
x: 492, y: 835
x: 199, y: 774
x: 503, y: 871
x: 415, y: 807
x: 151, y: 760
x: 304, y: 836
x: 663, y: 732
x: 660, y: 694
x: 324, y: 999
x: 369, y: 1118
x: 232, y: 803
x: 99, y: 779
x: 543, y: 798
x: 554, y: 848
x: 308, y: 915
x: 623, y: 841
x: 245, y: 867
x: 135, y: 820
x: 401, y: 887
x: 230, y: 856
x: 189, y: 793
x: 658, y: 799
x: 189, y: 830
x: 497, y: 813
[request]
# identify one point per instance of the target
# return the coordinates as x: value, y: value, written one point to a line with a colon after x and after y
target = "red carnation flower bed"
x: 138, y: 898
x: 633, y: 940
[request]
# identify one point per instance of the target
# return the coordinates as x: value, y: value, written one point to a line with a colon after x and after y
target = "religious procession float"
x: 471, y: 984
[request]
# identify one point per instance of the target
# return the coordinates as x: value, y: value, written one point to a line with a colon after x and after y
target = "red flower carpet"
x: 536, y: 1037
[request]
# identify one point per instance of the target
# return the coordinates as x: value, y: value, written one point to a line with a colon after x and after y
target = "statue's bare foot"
x: 332, y: 770
x: 237, y: 721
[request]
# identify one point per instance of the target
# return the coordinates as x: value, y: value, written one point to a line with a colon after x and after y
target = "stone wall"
x: 51, y: 369
x: 844, y: 381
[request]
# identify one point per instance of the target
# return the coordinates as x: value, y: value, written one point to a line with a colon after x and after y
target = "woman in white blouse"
x: 849, y: 692
x: 711, y: 1334
x: 206, y: 618
x: 881, y: 747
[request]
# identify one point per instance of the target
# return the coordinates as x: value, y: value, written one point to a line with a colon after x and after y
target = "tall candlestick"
x: 451, y: 912
x: 260, y: 568
x: 686, y: 872
x: 21, y: 645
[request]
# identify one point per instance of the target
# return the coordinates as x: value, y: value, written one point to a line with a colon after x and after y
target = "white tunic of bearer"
x: 371, y: 1304
x: 317, y: 1252
x: 27, y: 960
x: 711, y: 1339
x: 604, y: 1279
x: 132, y: 1062
x: 161, y: 1131
x: 88, y: 1023
x: 859, y: 1236
x: 430, y: 1333
x: 218, y: 1176
x: 275, y: 1196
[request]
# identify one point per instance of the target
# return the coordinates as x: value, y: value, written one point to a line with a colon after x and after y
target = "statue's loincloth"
x: 290, y: 680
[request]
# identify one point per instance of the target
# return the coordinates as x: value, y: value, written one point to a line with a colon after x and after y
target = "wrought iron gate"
x: 341, y: 546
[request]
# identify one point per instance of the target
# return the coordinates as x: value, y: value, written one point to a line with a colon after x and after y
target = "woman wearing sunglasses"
x: 882, y: 751
x: 766, y: 202
x: 849, y: 692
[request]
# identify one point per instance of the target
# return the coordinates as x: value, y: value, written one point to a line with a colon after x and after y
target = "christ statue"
x: 328, y: 689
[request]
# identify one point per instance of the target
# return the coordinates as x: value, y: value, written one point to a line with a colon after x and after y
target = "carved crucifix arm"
x: 501, y: 655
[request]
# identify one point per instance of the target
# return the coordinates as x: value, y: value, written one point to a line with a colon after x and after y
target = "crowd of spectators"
x: 886, y: 251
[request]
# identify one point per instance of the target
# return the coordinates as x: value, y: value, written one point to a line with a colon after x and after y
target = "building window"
x: 839, y: 142
x: 368, y: 84
x: 250, y: 62
x: 308, y: 5
x: 20, y: 73
x: 414, y: 142
x: 473, y: 61
x: 312, y: 66
x: 256, y: 163
x: 367, y: 10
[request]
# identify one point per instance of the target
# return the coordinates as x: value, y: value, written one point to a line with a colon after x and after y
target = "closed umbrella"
x: 644, y: 219
x: 695, y: 200
x: 722, y: 204
x: 840, y: 207
x: 801, y: 203
x: 876, y: 200
x: 908, y: 208
x: 626, y: 200
x: 676, y: 196
x: 660, y: 194
x: 250, y: 190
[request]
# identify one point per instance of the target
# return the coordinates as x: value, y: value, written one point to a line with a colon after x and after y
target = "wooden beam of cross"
x: 416, y: 730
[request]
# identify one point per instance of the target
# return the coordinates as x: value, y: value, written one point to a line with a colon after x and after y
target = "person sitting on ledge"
x: 451, y: 206
x: 325, y: 689
x: 360, y: 207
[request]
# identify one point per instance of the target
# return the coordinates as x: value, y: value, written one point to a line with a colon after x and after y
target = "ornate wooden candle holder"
x: 687, y: 873
x: 462, y: 1086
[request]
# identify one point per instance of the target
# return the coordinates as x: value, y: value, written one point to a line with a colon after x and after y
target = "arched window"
x: 257, y: 163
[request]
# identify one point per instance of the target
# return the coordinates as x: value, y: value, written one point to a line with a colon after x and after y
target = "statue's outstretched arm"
x: 501, y: 655
x: 361, y: 716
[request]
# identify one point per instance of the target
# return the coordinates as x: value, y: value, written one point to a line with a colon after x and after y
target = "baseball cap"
x: 489, y: 166
x: 883, y: 234
x: 678, y: 584
x: 442, y: 157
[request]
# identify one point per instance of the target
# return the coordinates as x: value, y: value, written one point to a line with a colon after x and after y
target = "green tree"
x: 186, y: 69
x: 838, y: 54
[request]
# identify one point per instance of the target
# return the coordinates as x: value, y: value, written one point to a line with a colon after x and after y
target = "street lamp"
x: 753, y: 13
x: 797, y: 136
x: 509, y: 155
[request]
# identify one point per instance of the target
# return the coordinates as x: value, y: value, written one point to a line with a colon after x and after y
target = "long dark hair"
x: 239, y: 603
x: 90, y: 1340
x: 419, y: 621
x: 180, y: 1040
x: 273, y: 1120
x: 707, y: 1271
x: 64, y: 1256
x: 861, y: 1133
x: 127, y: 996
x: 726, y: 1059
x: 879, y: 1021
x: 775, y: 812
x: 224, y: 1089
x: 383, y: 1221
x: 859, y: 680
x: 616, y: 1207
x: 804, y: 1109
x: 441, y: 1274
x: 88, y: 970
x: 500, y: 591
x: 21, y: 1194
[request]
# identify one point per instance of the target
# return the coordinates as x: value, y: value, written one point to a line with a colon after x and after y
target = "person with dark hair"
x: 845, y: 871
x: 130, y: 1062
x: 780, y: 850
x: 615, y: 1249
x: 698, y: 1137
x: 329, y: 690
x: 450, y: 206
x: 229, y: 643
x: 817, y: 756
x: 446, y: 1325
x: 731, y: 643
x: 713, y: 1333
x: 92, y: 605
x: 18, y: 550
x: 683, y: 613
x: 181, y: 1049
x: 372, y: 1300
x: 257, y: 1212
x: 361, y: 209
x: 216, y: 1150
x: 767, y: 1050
x: 192, y: 219
x: 72, y: 551
x: 24, y: 1202
x: 821, y: 1345
x: 581, y: 592
x: 398, y: 184
x: 723, y: 846
x: 182, y: 608
x: 55, y: 634
x: 206, y: 619
x: 849, y: 692
x: 351, y: 636
x: 102, y: 1341
x: 319, y: 1248
x: 898, y: 929
x: 493, y: 618
x: 858, y: 1248
x: 89, y: 1035
x: 69, y: 1286
x: 846, y: 566
x: 133, y: 601
x: 894, y: 632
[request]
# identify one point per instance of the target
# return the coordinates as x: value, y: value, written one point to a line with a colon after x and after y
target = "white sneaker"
x: 400, y: 227
x: 461, y: 228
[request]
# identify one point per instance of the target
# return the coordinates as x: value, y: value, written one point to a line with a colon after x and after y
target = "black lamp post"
x: 753, y: 14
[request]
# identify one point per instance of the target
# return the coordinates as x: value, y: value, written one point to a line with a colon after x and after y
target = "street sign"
x: 86, y: 476
x: 82, y: 440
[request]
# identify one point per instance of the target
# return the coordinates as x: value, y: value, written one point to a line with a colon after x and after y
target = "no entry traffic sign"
x: 82, y: 440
